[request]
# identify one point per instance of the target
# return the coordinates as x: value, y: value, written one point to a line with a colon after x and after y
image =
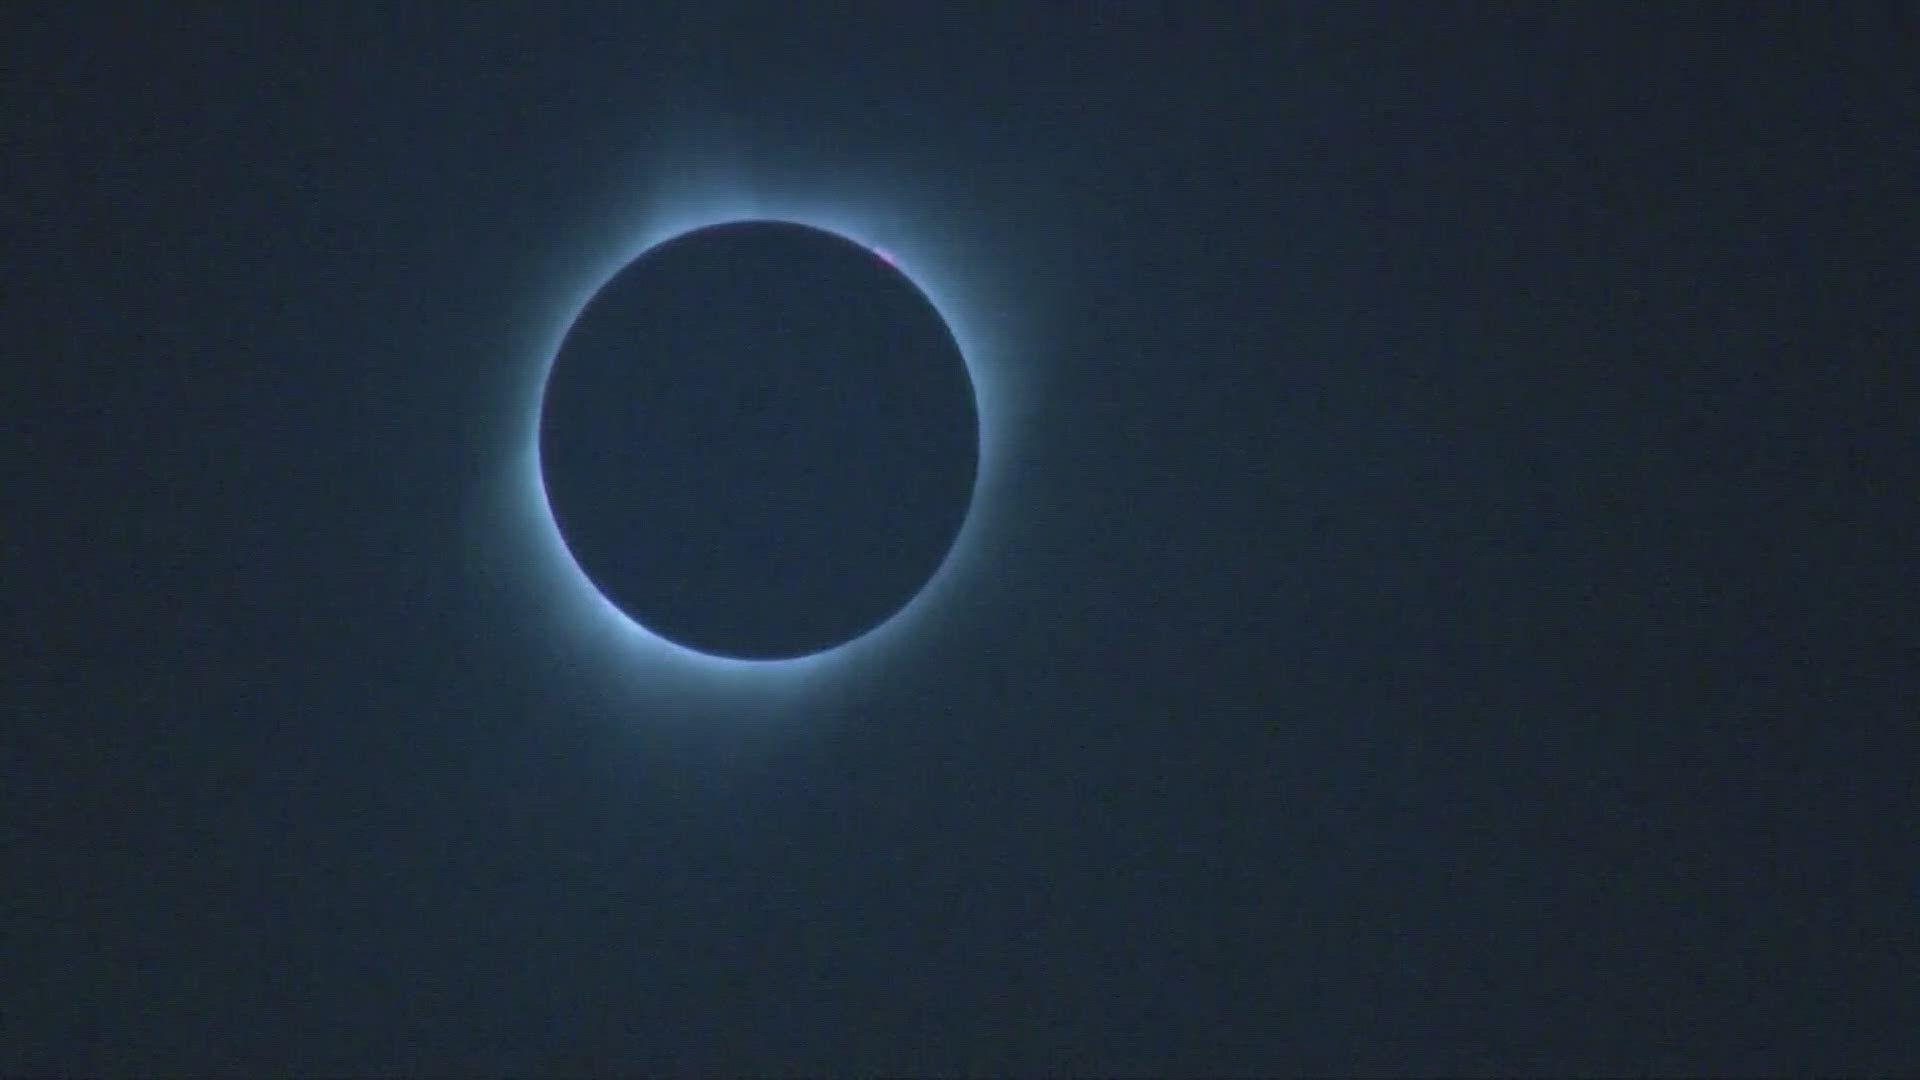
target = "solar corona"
x: 576, y: 594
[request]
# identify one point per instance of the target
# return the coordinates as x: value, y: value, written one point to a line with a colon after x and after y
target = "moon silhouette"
x: 759, y: 440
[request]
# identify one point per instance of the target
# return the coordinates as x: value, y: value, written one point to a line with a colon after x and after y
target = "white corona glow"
x: 930, y: 251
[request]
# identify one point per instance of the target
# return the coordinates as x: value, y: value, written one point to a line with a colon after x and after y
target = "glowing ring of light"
x: 983, y: 346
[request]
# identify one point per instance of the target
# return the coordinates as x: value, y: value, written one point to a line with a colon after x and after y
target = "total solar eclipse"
x: 759, y: 440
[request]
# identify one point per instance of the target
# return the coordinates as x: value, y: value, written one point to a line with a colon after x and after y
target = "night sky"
x: 1439, y: 596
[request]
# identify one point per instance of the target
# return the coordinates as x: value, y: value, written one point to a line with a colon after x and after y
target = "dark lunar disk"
x: 759, y: 440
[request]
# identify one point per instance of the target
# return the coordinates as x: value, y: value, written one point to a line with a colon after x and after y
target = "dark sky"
x: 1445, y: 605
